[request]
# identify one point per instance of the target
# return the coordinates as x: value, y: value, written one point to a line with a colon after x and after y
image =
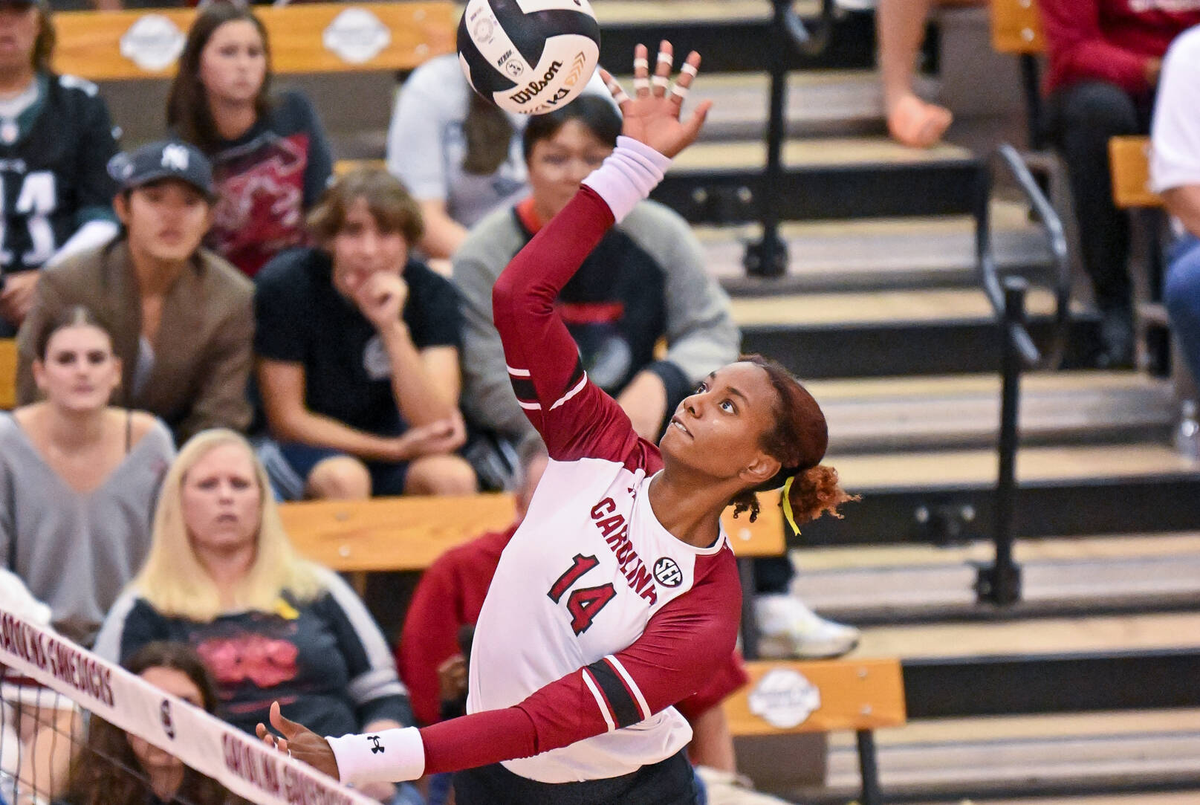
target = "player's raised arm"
x: 574, y: 417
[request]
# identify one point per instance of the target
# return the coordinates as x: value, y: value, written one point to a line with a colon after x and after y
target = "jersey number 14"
x: 584, y: 603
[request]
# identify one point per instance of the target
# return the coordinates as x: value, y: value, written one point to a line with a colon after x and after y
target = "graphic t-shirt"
x: 266, y: 181
x: 324, y: 660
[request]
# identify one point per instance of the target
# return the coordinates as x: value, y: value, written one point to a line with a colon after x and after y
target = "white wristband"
x: 628, y: 175
x: 388, y: 756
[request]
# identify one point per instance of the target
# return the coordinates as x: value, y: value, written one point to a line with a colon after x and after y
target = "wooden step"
x: 872, y: 415
x: 829, y: 102
x: 825, y: 152
x: 877, y: 254
x: 1035, y: 465
x: 875, y: 308
x: 891, y: 583
x: 1031, y: 638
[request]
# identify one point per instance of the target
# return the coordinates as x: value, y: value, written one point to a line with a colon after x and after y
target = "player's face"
x: 166, y: 220
x: 717, y: 430
x: 360, y: 248
x: 79, y: 372
x: 172, y: 680
x: 559, y: 164
x: 233, y: 64
x: 18, y: 33
x: 222, y: 503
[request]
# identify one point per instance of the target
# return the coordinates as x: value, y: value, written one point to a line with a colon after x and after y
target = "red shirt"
x: 1111, y: 40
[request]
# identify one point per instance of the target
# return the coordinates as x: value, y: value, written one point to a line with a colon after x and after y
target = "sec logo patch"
x: 667, y: 572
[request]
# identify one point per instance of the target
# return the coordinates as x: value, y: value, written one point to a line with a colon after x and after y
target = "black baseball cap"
x: 166, y: 159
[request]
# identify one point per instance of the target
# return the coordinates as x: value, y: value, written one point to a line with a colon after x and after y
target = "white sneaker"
x: 727, y: 788
x: 856, y: 5
x: 787, y: 628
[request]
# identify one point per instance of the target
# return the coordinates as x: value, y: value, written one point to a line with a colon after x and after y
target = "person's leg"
x: 712, y: 742
x: 1181, y: 293
x: 440, y: 475
x: 339, y: 478
x: 900, y: 28
x: 1085, y: 117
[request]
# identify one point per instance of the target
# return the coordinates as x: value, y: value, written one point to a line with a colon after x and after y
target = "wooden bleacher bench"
x: 1129, y: 164
x: 1017, y: 27
x: 408, y: 533
x: 8, y: 373
x: 305, y: 38
x: 786, y: 697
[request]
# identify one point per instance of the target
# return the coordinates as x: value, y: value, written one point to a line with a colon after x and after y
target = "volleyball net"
x: 57, y: 700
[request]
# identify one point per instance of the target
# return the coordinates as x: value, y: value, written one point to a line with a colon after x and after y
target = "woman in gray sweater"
x: 78, y: 478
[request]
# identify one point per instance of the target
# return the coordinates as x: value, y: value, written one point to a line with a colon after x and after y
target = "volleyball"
x: 528, y: 56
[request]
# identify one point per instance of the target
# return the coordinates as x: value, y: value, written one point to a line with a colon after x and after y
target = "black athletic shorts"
x: 669, y: 782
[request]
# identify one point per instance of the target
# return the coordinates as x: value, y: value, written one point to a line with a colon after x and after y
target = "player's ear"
x: 761, y: 469
x: 121, y: 207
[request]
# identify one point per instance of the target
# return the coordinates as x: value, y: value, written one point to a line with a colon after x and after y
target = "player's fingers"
x: 662, y: 68
x: 641, y: 71
x: 614, y: 88
x: 264, y: 735
x: 696, y: 121
x: 290, y: 729
x: 687, y: 74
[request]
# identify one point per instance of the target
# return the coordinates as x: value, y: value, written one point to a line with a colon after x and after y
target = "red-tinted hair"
x: 798, y: 439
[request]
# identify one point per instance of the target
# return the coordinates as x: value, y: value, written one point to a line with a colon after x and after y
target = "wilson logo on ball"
x: 528, y: 56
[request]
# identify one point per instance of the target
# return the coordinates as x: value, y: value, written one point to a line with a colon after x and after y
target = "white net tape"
x: 236, y: 760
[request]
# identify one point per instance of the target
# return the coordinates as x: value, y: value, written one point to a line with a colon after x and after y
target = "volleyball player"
x: 618, y: 596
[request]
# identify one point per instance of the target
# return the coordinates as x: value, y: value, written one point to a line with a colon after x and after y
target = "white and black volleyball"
x: 528, y: 56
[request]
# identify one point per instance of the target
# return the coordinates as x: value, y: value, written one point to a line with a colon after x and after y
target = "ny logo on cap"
x: 175, y: 157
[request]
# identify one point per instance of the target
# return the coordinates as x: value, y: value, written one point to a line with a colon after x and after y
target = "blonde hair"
x: 174, y: 581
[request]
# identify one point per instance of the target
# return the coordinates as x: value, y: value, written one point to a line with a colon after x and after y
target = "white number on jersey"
x: 37, y: 200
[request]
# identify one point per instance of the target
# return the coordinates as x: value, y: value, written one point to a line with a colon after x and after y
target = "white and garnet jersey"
x: 583, y: 575
x: 598, y: 620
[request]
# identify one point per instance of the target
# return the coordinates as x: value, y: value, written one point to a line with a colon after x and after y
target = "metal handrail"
x: 808, y: 42
x: 768, y: 257
x: 989, y: 276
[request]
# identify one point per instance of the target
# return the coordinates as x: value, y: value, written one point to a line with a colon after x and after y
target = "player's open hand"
x: 298, y: 742
x: 652, y: 115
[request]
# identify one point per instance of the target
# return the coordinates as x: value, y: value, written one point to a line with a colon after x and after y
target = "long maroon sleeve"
x: 574, y: 417
x: 683, y: 646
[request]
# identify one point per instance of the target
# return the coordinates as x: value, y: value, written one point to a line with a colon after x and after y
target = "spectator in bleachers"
x: 223, y: 578
x: 78, y: 478
x: 644, y: 282
x: 270, y: 157
x: 1105, y: 57
x: 357, y: 348
x: 119, y: 768
x: 1175, y: 173
x: 458, y: 154
x: 55, y: 140
x: 434, y: 651
x: 180, y: 317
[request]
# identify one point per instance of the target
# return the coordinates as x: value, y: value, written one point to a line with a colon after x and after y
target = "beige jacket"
x: 202, y: 355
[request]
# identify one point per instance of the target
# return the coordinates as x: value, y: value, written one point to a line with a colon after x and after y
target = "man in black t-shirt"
x: 55, y: 142
x: 357, y: 354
